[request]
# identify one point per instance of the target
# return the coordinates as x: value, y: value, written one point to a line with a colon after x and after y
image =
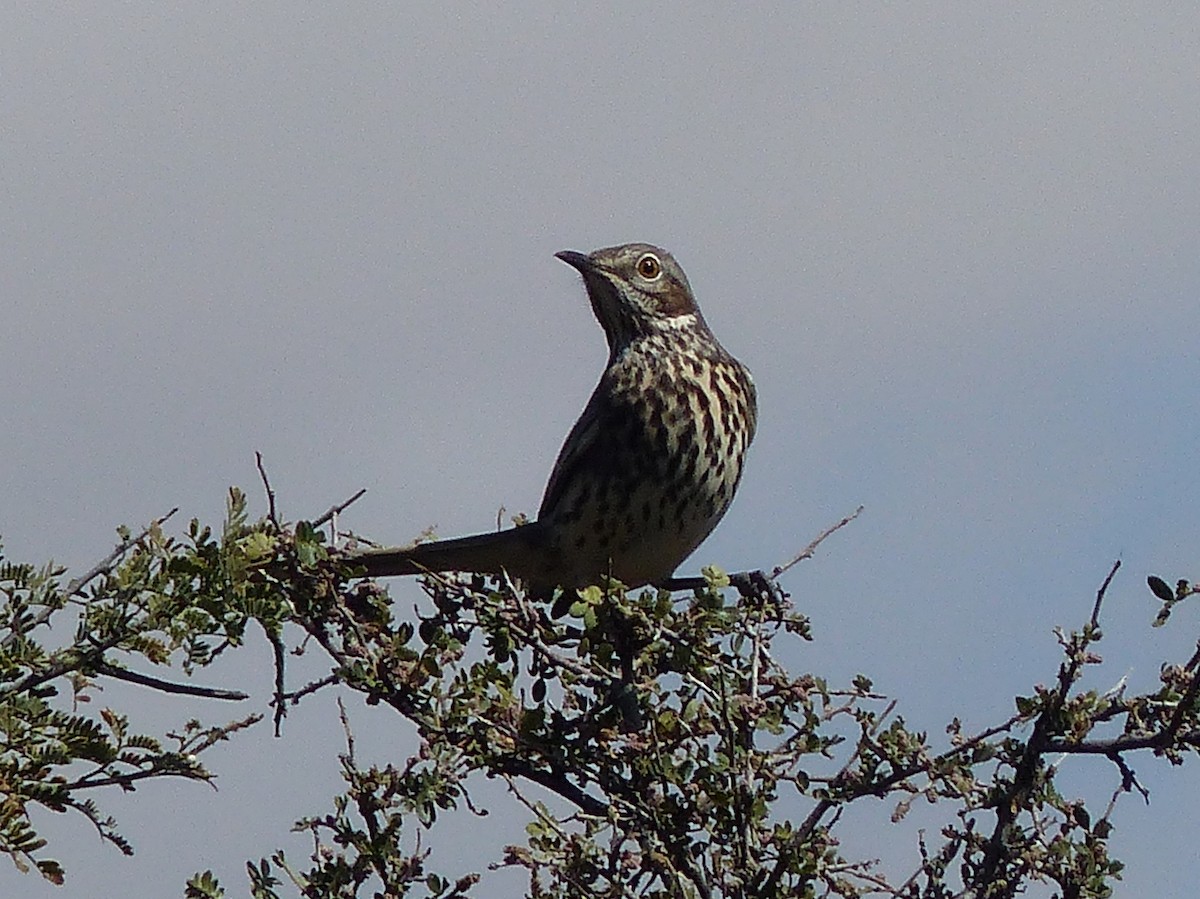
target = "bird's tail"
x: 517, y: 551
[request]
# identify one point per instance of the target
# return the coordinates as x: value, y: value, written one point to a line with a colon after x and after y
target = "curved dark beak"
x: 580, y: 261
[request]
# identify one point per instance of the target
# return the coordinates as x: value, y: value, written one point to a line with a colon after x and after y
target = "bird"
x: 652, y: 463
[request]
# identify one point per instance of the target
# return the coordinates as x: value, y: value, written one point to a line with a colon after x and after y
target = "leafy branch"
x: 654, y: 738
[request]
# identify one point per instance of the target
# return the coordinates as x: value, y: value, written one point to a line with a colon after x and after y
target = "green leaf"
x: 1160, y: 589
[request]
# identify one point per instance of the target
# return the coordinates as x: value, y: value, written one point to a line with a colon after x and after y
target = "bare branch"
x: 144, y: 680
x: 295, y: 696
x: 262, y: 473
x: 748, y: 582
x: 808, y: 551
x: 338, y: 509
x: 1100, y: 593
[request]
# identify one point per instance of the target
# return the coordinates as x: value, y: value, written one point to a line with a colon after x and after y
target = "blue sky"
x: 957, y: 247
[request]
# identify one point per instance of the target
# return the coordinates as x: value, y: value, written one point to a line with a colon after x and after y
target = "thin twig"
x: 538, y: 811
x: 747, y: 582
x: 1129, y: 781
x: 131, y: 777
x: 345, y: 719
x: 144, y: 680
x: 1100, y: 593
x: 338, y: 509
x: 295, y: 696
x: 262, y: 473
x: 276, y: 641
x: 808, y: 551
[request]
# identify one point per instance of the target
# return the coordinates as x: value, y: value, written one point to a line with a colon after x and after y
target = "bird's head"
x: 635, y: 289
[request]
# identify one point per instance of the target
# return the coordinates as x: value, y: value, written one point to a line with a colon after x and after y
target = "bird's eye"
x: 649, y: 267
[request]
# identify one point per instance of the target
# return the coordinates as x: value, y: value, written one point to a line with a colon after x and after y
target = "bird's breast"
x: 665, y: 464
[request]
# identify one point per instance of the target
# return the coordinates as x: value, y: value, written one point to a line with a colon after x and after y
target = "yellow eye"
x: 649, y: 267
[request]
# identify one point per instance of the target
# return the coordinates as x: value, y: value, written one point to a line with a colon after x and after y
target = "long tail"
x: 516, y: 550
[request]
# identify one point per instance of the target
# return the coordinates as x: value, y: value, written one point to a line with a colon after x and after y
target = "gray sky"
x: 957, y: 247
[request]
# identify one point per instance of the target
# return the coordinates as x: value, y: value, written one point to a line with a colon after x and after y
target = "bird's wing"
x: 587, y: 439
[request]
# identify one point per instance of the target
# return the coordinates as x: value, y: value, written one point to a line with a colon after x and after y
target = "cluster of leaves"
x: 683, y: 758
x: 153, y: 602
x: 1170, y: 597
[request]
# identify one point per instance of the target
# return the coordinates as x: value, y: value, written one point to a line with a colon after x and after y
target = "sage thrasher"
x: 652, y: 463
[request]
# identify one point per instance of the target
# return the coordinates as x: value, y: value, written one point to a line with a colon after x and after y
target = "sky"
x: 957, y: 246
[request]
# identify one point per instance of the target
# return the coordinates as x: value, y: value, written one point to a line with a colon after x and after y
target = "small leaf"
x: 257, y: 545
x: 52, y: 871
x: 1160, y: 588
